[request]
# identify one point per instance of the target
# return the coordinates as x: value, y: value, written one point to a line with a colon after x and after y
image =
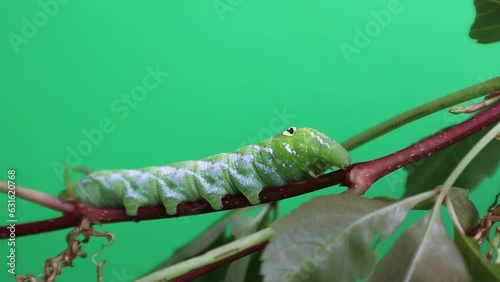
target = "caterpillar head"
x: 309, y: 150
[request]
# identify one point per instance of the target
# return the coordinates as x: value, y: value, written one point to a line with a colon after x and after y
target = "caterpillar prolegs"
x: 296, y: 154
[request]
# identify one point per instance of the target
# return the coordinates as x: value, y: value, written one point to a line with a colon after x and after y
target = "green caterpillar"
x: 296, y: 154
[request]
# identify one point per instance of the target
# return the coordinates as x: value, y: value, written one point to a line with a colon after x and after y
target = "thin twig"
x: 40, y: 198
x: 477, y: 106
x: 469, y: 93
x: 363, y: 175
x: 453, y: 214
x: 189, y: 269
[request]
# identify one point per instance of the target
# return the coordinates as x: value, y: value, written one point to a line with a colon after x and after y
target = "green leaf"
x: 206, y: 239
x: 216, y: 236
x: 238, y: 270
x: 243, y: 226
x: 332, y: 238
x: 466, y: 211
x: 434, y: 170
x: 254, y: 268
x: 486, y: 27
x: 480, y: 268
x: 424, y: 252
x: 213, y: 237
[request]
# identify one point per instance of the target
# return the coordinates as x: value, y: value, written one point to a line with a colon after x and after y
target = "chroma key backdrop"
x: 147, y: 118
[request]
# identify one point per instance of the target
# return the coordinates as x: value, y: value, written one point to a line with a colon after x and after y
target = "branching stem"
x: 465, y: 162
x: 359, y: 177
x: 40, y: 198
x: 189, y: 269
x: 478, y: 90
x: 362, y: 175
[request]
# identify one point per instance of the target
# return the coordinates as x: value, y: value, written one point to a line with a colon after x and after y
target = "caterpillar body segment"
x: 296, y: 154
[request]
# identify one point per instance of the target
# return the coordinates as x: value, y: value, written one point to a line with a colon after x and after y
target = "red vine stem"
x: 362, y: 175
x: 189, y: 276
x: 359, y: 177
x: 109, y: 215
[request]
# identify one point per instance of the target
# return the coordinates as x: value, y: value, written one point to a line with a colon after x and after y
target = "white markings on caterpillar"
x: 233, y: 157
x: 247, y: 160
x: 247, y: 170
x: 166, y: 171
x: 320, y: 140
x: 250, y: 180
x: 178, y: 175
x: 130, y: 192
x: 268, y: 170
x: 140, y: 178
x: 204, y: 183
x: 214, y: 169
x: 289, y: 149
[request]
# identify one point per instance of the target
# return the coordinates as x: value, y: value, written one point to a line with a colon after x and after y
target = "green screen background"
x: 239, y: 71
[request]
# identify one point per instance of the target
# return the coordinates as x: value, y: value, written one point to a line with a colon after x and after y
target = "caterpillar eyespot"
x: 296, y: 154
x: 289, y: 131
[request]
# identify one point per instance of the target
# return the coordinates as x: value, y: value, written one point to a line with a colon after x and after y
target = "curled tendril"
x: 495, y: 203
x: 26, y: 278
x: 53, y: 266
